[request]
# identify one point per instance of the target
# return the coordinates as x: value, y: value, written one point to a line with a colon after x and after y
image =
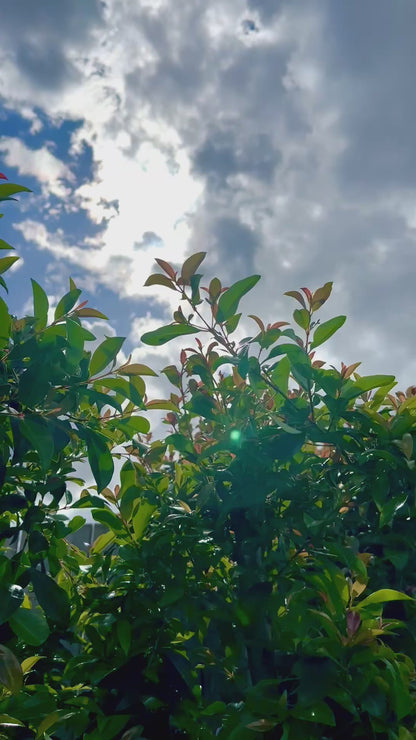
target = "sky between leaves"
x: 277, y: 136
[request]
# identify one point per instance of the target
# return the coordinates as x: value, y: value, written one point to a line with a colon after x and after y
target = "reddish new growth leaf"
x: 167, y: 268
x: 2, y: 177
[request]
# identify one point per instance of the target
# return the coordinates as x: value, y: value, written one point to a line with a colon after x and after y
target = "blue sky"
x: 277, y: 136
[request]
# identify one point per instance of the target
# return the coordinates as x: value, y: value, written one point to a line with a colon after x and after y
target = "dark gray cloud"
x: 219, y: 158
x: 370, y: 55
x: 38, y: 35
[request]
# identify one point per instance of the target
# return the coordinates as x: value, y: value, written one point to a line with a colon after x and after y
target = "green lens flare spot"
x: 235, y: 436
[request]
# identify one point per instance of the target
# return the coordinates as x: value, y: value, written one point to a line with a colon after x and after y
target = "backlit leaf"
x: 90, y: 313
x: 105, y: 354
x: 382, y: 596
x: 326, y: 330
x: 6, y: 263
x: 8, y: 189
x: 320, y: 296
x: 11, y: 676
x: 141, y: 518
x: 40, y: 305
x: 67, y: 303
x: 166, y: 333
x: 228, y: 302
x: 157, y: 279
x: 191, y: 265
x: 136, y: 369
x: 5, y: 321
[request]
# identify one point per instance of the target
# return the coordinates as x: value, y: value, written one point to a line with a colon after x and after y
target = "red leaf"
x: 2, y: 177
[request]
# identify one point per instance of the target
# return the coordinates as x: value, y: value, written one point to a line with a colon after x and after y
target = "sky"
x: 277, y: 136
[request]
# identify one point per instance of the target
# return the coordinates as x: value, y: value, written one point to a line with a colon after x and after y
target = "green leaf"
x: 317, y: 712
x: 75, y: 336
x: 6, y: 263
x: 51, y: 597
x: 66, y: 303
x: 11, y: 675
x: 9, y: 188
x: 136, y: 369
x: 40, y: 305
x: 158, y: 279
x: 166, y: 333
x: 105, y: 354
x: 191, y: 265
x: 228, y: 302
x: 141, y: 518
x: 110, y: 520
x: 102, y: 541
x: 124, y: 635
x: 5, y: 245
x: 99, y: 458
x: 326, y: 330
x: 383, y: 595
x: 7, y: 721
x: 37, y: 432
x: 11, y: 597
x: 90, y: 313
x: 321, y: 296
x: 301, y: 316
x: 30, y: 626
x: 353, y: 389
x: 232, y: 323
x: 5, y: 322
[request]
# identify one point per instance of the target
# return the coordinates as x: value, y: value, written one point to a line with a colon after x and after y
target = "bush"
x: 256, y: 575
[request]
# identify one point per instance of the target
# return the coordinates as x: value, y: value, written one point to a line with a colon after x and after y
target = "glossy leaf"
x: 66, y: 303
x: 141, y: 518
x: 166, y: 333
x: 100, y: 459
x: 321, y: 296
x: 8, y: 189
x: 30, y: 626
x: 40, y: 305
x: 301, y: 316
x: 352, y: 389
x: 5, y: 245
x: 228, y: 302
x: 6, y: 263
x: 105, y: 354
x: 51, y: 597
x: 5, y: 321
x: 11, y: 676
x: 326, y: 330
x: 382, y: 596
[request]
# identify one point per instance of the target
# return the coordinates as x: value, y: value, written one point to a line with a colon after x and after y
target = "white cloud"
x: 39, y: 163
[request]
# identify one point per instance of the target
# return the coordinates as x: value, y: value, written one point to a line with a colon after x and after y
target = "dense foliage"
x: 256, y: 575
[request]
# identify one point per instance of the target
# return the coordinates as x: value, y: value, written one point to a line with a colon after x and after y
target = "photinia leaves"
x: 99, y: 457
x: 90, y: 313
x: 51, y: 597
x: 166, y: 333
x: 353, y: 389
x: 191, y: 265
x: 30, y: 626
x: 6, y: 263
x: 8, y: 189
x: 40, y: 305
x: 5, y: 322
x: 136, y: 369
x: 157, y: 279
x: 11, y: 674
x: 326, y: 330
x: 302, y: 318
x: 320, y: 296
x: 66, y: 303
x: 105, y: 354
x: 228, y: 302
x: 382, y: 596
